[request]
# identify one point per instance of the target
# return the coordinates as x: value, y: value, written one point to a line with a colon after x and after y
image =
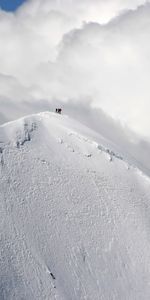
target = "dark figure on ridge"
x: 58, y: 110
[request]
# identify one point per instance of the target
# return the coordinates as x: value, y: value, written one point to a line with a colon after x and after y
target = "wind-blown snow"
x: 74, y: 214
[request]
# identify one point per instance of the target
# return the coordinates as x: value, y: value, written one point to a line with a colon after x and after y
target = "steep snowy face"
x: 74, y: 215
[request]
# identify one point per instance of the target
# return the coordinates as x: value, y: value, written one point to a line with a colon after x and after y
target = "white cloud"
x: 76, y: 50
x: 100, y: 11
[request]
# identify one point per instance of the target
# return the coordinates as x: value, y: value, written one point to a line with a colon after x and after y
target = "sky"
x: 10, y: 5
x: 86, y: 56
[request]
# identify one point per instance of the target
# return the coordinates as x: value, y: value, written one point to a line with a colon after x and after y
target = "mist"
x: 90, y: 57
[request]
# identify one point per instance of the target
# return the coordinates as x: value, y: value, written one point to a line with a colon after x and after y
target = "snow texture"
x: 74, y: 215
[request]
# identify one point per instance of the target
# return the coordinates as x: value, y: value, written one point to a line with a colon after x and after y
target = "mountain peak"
x: 72, y: 211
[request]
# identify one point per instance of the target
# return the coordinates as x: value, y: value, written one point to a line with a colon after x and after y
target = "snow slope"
x: 74, y: 215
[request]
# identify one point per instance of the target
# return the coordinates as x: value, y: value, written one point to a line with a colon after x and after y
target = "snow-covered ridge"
x: 74, y: 217
x: 21, y: 131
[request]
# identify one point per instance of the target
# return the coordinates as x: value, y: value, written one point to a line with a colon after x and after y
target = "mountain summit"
x: 74, y: 214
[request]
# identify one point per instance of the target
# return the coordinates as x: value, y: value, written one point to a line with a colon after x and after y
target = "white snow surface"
x: 74, y: 215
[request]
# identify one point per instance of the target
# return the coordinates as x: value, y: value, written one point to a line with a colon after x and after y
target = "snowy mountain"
x: 74, y: 214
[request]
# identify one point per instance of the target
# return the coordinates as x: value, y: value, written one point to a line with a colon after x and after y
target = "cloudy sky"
x: 85, y: 55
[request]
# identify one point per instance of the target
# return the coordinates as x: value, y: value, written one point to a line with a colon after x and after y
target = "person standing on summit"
x: 58, y: 111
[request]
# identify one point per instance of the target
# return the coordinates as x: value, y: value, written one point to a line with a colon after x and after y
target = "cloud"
x: 56, y: 51
x: 100, y: 11
x: 111, y: 65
